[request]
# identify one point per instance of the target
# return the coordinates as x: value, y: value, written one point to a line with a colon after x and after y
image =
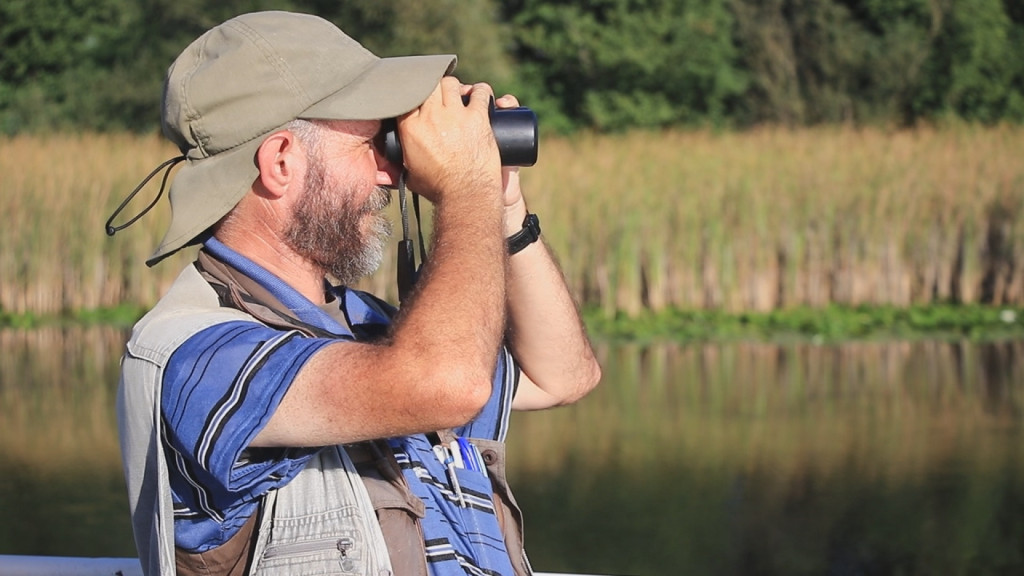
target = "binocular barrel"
x: 515, y: 130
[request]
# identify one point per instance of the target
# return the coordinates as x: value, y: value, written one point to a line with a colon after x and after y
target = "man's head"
x: 252, y: 75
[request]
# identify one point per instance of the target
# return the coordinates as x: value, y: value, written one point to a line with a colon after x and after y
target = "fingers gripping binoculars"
x: 515, y: 130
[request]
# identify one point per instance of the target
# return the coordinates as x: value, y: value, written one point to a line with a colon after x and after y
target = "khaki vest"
x: 319, y: 522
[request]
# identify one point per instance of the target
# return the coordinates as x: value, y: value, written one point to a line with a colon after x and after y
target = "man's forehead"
x: 361, y: 128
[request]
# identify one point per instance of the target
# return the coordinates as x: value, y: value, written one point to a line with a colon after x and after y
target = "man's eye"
x: 378, y: 142
x: 380, y: 138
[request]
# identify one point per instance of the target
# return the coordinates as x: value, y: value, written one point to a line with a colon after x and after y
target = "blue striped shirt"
x: 220, y: 389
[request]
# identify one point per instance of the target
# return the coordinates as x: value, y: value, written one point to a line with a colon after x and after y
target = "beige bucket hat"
x: 251, y: 75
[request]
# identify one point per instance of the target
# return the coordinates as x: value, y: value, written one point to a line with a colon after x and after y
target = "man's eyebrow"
x: 359, y: 128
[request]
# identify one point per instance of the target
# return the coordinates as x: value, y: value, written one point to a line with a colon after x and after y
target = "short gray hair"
x: 308, y: 132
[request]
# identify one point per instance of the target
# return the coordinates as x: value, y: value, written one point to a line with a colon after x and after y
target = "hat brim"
x: 389, y: 88
x: 205, y: 189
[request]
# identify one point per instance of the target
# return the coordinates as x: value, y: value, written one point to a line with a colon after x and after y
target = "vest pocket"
x: 334, y: 555
x: 320, y: 524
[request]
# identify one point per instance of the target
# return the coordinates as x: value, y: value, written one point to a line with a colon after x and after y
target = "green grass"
x: 832, y: 323
x: 124, y: 315
x: 829, y: 324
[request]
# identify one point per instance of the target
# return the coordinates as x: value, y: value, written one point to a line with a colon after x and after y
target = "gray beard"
x: 326, y: 229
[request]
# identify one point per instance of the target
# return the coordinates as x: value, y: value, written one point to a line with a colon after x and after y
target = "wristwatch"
x: 528, y: 235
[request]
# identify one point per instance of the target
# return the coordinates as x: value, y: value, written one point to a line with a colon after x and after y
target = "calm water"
x: 881, y: 458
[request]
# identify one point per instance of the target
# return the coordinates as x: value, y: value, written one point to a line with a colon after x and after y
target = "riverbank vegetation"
x: 826, y: 325
x: 830, y: 324
x: 735, y: 226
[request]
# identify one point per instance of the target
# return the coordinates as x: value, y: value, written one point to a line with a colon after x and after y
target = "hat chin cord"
x: 169, y: 164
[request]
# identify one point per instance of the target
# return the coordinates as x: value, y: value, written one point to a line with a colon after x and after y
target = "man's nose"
x: 387, y: 171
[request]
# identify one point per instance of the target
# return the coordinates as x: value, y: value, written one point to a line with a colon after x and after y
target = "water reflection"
x: 864, y: 458
x: 61, y: 487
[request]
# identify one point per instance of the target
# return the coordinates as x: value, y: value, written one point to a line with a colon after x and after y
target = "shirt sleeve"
x: 492, y: 421
x: 220, y: 388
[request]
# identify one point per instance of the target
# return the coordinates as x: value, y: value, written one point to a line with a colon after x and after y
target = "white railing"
x: 68, y: 566
x: 77, y: 566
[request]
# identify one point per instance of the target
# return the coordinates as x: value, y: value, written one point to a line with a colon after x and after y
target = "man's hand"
x: 448, y: 145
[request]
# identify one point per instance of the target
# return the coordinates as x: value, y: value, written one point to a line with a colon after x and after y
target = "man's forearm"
x: 457, y: 307
x: 545, y: 331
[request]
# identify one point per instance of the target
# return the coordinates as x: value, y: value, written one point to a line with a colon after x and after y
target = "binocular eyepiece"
x: 515, y: 130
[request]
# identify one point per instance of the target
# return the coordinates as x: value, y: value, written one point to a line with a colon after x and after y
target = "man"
x: 274, y: 423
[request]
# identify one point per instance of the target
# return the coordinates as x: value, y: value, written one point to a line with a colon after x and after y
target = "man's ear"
x: 281, y: 162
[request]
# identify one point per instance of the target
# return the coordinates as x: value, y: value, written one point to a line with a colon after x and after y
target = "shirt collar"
x: 303, y: 307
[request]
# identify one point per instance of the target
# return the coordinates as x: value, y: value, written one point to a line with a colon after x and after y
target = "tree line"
x: 605, y: 65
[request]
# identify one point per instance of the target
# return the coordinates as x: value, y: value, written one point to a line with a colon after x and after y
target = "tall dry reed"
x: 58, y: 191
x: 776, y: 218
x: 735, y: 221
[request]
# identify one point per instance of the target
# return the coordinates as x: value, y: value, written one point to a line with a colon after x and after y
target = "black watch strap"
x: 528, y: 235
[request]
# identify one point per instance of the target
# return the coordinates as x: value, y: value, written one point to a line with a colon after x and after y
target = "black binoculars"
x: 515, y: 130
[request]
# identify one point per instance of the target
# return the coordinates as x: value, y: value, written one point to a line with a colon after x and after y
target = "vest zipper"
x: 342, y: 545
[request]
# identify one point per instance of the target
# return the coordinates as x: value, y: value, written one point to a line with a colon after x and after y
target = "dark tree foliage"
x: 95, y: 64
x: 596, y: 64
x: 614, y: 64
x: 879, y: 61
x: 471, y: 29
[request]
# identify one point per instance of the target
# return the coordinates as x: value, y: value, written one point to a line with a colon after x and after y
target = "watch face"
x: 534, y: 224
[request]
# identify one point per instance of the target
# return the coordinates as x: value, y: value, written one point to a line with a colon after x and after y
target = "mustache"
x: 378, y: 200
